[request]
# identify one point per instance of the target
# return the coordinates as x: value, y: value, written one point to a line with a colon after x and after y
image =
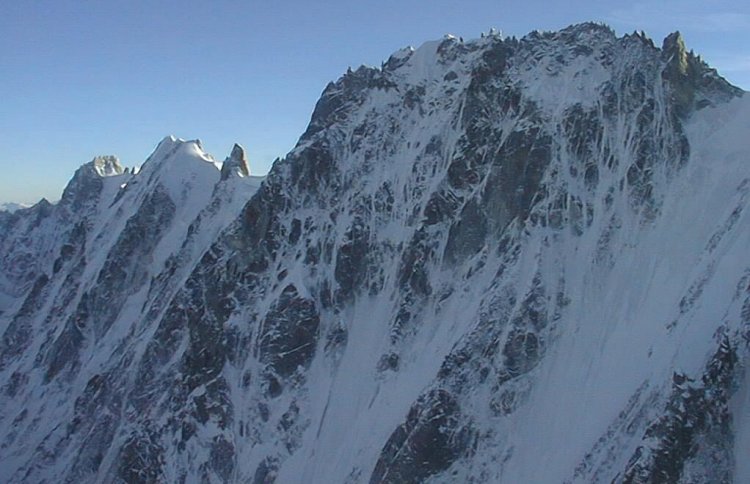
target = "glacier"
x: 494, y: 260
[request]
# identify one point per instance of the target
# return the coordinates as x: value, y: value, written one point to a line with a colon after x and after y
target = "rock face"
x: 498, y: 260
x: 235, y: 164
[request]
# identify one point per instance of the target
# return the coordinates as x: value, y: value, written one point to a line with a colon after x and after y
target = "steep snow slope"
x: 489, y: 261
x: 672, y: 295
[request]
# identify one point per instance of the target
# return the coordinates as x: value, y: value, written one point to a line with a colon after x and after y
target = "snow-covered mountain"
x: 12, y: 206
x: 497, y: 260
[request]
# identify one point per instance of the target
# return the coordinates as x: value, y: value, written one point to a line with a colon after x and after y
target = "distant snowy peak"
x: 176, y: 162
x: 87, y: 183
x: 12, y: 206
x: 181, y: 167
x: 170, y: 145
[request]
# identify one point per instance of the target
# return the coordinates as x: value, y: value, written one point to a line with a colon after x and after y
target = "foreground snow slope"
x: 489, y: 261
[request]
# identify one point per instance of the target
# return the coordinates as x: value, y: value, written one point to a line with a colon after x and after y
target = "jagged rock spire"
x: 673, y: 49
x: 235, y: 163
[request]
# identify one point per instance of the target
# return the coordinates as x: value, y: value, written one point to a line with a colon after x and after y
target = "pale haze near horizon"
x: 81, y: 79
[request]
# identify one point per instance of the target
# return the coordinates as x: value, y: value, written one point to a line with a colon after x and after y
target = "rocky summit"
x: 497, y: 260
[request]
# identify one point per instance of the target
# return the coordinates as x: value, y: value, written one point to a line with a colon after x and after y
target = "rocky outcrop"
x: 236, y: 163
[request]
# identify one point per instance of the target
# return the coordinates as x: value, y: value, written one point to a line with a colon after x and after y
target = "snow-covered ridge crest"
x: 171, y: 145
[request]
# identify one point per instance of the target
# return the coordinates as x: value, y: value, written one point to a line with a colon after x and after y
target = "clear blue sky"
x: 82, y: 78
